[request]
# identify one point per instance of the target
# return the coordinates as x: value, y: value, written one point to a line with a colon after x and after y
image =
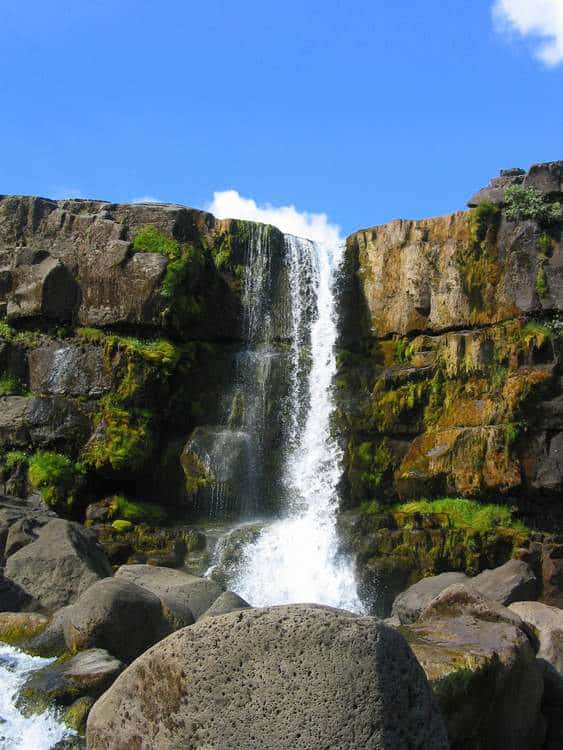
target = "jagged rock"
x: 227, y: 602
x: 87, y: 673
x: 43, y: 287
x: 494, y: 192
x: 293, y: 675
x: 410, y: 603
x: 59, y: 565
x: 547, y: 623
x: 115, y: 614
x: 184, y: 597
x: 483, y: 671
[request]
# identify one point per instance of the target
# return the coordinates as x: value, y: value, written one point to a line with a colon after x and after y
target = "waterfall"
x: 295, y: 558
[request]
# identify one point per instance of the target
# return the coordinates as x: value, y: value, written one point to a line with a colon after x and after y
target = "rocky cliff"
x: 449, y: 373
x: 118, y: 331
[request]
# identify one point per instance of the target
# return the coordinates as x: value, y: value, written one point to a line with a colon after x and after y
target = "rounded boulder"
x: 299, y: 677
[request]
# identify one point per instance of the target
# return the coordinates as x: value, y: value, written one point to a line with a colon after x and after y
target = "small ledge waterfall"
x: 295, y: 558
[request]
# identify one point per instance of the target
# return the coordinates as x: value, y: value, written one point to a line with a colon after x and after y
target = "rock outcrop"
x: 297, y: 676
x: 449, y: 381
x: 482, y: 667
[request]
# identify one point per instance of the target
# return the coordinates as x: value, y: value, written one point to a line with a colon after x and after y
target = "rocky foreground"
x: 151, y: 657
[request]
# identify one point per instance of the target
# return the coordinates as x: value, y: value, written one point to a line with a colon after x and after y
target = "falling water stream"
x: 295, y: 558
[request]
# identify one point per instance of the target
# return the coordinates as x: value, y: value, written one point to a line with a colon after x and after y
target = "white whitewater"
x: 16, y: 731
x: 295, y: 559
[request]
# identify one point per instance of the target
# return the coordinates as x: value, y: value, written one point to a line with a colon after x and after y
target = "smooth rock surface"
x: 182, y: 594
x: 300, y: 677
x: 547, y: 622
x: 59, y: 565
x: 410, y: 603
x: 116, y: 615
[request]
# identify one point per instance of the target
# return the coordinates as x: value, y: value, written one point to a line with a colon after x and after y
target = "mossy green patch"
x: 10, y: 386
x: 136, y: 511
x: 56, y: 476
x: 121, y: 525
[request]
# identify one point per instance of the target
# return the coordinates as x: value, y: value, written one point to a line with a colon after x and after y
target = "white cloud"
x: 229, y: 204
x: 62, y: 193
x: 146, y: 199
x: 541, y: 19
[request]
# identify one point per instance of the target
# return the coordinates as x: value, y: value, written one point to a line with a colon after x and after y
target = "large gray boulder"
x: 482, y: 668
x: 511, y: 582
x: 185, y: 597
x: 410, y: 603
x: 300, y: 677
x: 514, y: 581
x: 59, y: 565
x: 116, y: 615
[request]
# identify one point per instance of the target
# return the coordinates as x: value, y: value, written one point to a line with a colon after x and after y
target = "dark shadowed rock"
x: 183, y: 595
x: 284, y: 677
x: 117, y: 615
x: 59, y: 565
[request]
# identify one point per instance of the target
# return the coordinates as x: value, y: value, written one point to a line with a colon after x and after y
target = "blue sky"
x: 364, y: 110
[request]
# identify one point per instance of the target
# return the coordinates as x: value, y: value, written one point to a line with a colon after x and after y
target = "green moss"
x: 466, y: 514
x: 149, y: 239
x: 19, y: 338
x: 529, y: 203
x: 197, y: 475
x: 403, y: 351
x: 10, y: 385
x: 121, y: 525
x: 541, y: 286
x: 535, y: 335
x: 497, y: 376
x: 56, y: 476
x: 122, y: 440
x: 76, y: 715
x: 480, y: 219
x: 136, y: 511
x: 478, y: 261
x: 14, y: 458
x: 19, y: 634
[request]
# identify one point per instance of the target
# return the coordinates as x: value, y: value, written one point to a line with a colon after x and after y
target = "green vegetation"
x: 122, y: 439
x: 19, y: 338
x: 56, y: 476
x: 478, y: 260
x: 481, y: 219
x: 541, y: 281
x: 149, y: 239
x: 10, y: 385
x: 466, y: 514
x: 529, y: 203
x: 535, y: 335
x: 136, y: 512
x: 184, y: 269
x: 156, y: 351
x: 402, y: 351
x: 122, y: 525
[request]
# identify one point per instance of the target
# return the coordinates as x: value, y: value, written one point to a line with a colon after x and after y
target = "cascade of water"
x: 295, y: 558
x: 39, y: 732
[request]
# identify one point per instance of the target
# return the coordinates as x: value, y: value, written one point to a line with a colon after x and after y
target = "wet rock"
x: 73, y: 369
x: 293, y: 675
x: 185, y: 597
x: 115, y: 614
x: 88, y: 673
x: 59, y: 565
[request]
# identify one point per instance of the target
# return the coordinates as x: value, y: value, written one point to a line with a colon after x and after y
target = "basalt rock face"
x: 449, y: 379
x: 113, y: 350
